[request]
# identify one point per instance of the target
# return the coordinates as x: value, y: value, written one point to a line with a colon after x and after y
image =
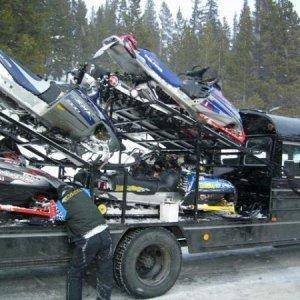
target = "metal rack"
x: 199, y: 138
x: 129, y: 121
x: 162, y: 137
x: 19, y: 132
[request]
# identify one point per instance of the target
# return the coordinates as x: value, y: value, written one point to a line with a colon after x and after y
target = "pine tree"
x: 180, y: 23
x: 150, y: 35
x: 122, y: 17
x: 289, y: 34
x: 186, y: 50
x: 134, y: 15
x: 167, y: 30
x: 211, y: 16
x: 287, y: 47
x: 209, y: 46
x: 224, y: 48
x: 30, y: 44
x: 81, y: 46
x: 197, y: 18
x: 277, y: 29
x: 96, y: 29
x: 242, y: 73
x: 234, y: 28
x: 60, y: 31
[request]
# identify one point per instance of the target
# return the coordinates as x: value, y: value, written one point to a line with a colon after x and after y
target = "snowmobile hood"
x: 22, y: 76
x: 208, y: 184
x: 18, y: 172
x: 161, y: 68
x: 19, y: 185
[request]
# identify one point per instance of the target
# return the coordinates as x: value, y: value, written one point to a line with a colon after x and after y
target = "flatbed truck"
x: 147, y: 252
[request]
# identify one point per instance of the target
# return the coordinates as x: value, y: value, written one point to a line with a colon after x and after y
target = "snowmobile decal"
x: 157, y: 65
x: 222, y: 207
x: 80, y: 108
x: 132, y: 188
x: 71, y: 195
x: 208, y: 185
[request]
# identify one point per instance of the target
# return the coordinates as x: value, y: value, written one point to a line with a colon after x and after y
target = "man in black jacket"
x: 89, y: 234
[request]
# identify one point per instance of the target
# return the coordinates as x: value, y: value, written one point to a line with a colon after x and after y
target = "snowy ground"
x: 263, y: 273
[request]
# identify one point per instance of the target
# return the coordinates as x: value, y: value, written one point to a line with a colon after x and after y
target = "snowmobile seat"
x: 166, y: 183
x: 195, y: 90
x: 51, y: 94
x: 23, y: 76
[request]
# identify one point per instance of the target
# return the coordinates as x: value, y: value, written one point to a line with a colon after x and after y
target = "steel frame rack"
x: 166, y: 139
x: 123, y: 117
x: 11, y: 128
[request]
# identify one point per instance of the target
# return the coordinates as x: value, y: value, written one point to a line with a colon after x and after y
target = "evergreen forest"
x: 257, y: 59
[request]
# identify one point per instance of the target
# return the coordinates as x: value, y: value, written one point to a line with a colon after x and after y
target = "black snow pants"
x: 99, y: 248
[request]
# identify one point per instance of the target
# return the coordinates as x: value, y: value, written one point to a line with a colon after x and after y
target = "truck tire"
x: 147, y: 262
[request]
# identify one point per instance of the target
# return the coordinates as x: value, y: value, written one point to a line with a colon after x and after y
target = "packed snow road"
x: 263, y: 273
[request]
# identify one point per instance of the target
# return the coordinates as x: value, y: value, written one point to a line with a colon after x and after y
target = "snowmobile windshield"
x: 219, y: 104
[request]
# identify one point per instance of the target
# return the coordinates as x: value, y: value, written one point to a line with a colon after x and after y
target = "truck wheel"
x: 147, y: 262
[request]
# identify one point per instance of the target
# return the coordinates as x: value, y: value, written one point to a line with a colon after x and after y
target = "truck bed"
x: 25, y: 247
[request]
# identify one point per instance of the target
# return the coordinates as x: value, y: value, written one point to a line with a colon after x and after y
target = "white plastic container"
x: 169, y: 211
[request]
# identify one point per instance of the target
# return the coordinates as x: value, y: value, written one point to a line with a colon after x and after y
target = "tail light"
x: 134, y: 93
x: 103, y: 185
x: 130, y: 42
x: 113, y: 80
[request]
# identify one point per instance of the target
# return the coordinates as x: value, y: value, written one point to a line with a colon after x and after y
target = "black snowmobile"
x: 159, y: 176
x: 22, y: 185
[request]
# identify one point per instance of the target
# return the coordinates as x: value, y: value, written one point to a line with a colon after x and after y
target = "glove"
x: 61, y: 212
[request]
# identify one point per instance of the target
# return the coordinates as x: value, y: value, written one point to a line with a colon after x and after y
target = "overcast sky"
x: 227, y: 8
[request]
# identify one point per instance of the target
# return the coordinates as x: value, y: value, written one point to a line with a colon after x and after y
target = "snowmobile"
x: 155, y: 177
x: 203, y: 100
x: 20, y: 185
x: 72, y: 118
x: 24, y: 190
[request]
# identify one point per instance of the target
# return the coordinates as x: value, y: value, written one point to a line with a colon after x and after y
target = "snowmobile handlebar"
x: 79, y: 73
x: 197, y: 73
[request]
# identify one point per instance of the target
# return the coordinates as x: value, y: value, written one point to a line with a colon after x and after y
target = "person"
x: 91, y: 239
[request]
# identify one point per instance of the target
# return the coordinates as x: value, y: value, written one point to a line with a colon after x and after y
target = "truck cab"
x: 260, y: 177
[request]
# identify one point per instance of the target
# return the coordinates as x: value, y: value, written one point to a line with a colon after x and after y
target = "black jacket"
x: 82, y: 214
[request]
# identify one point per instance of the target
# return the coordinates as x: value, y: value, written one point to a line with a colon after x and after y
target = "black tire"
x: 147, y: 262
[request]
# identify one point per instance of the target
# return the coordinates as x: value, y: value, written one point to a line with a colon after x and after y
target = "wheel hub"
x: 147, y: 261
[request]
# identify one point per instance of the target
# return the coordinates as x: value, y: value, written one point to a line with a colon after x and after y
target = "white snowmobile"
x: 204, y: 101
x: 73, y: 119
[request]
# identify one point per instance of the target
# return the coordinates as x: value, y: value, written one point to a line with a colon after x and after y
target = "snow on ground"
x: 262, y: 273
